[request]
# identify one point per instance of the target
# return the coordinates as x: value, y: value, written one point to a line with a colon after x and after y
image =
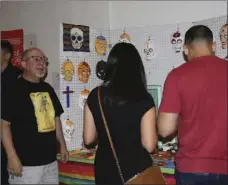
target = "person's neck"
x: 30, y: 78
x: 4, y: 66
x: 202, y: 54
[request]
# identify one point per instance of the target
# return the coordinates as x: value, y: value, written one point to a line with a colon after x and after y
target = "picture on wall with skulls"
x: 76, y: 38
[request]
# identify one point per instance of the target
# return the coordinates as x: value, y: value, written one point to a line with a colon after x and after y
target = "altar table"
x: 80, y: 167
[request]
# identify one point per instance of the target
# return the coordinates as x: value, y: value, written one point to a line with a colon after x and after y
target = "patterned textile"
x: 80, y: 170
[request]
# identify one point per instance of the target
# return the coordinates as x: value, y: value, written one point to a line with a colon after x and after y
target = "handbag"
x: 151, y: 175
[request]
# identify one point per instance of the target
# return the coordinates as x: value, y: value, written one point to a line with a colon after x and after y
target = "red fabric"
x: 16, y: 38
x: 81, y: 169
x: 197, y: 90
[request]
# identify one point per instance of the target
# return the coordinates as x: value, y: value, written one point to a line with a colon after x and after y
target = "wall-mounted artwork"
x: 76, y: 38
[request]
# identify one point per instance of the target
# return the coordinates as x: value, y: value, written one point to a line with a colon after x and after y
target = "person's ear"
x: 186, y: 51
x: 214, y: 47
x: 23, y: 64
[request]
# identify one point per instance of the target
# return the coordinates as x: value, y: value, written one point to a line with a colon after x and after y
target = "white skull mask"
x: 176, y: 42
x: 82, y: 98
x: 223, y: 36
x: 149, y: 50
x: 76, y: 36
x: 68, y: 129
x: 167, y: 146
x: 124, y: 37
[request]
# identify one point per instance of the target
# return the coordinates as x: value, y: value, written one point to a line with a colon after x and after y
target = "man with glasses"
x: 9, y: 75
x: 31, y: 123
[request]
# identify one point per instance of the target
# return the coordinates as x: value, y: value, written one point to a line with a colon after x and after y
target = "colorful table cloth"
x: 80, y: 169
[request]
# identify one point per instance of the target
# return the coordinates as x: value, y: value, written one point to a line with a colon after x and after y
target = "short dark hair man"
x: 9, y: 75
x: 194, y: 103
x: 31, y: 123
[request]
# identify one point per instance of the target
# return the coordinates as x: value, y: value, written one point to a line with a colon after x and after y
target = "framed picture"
x: 155, y: 91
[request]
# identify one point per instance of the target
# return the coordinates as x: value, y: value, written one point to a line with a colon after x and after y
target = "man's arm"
x: 167, y: 123
x: 170, y: 107
x: 7, y: 139
x: 59, y: 132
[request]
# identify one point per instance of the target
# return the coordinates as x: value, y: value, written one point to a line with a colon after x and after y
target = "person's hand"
x: 14, y: 166
x: 64, y: 154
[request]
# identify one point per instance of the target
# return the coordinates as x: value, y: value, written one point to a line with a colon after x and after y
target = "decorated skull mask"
x: 68, y: 129
x: 149, y: 50
x: 76, y: 36
x: 100, y: 45
x: 223, y: 36
x: 82, y: 98
x: 177, y: 41
x: 67, y: 70
x: 169, y: 145
x: 83, y: 71
x: 124, y: 37
x: 100, y: 69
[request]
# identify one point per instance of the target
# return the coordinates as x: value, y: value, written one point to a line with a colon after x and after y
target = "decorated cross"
x: 68, y: 92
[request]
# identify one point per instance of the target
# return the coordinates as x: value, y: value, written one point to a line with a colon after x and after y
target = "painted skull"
x: 177, y: 41
x: 223, y: 36
x: 169, y: 145
x: 82, y: 98
x: 68, y: 129
x: 76, y: 36
x: 149, y: 50
x: 100, y: 45
x: 124, y: 37
x: 100, y: 69
x: 84, y: 71
x: 67, y: 70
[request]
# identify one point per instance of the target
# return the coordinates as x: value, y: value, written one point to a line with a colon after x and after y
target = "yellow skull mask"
x: 67, y: 70
x: 100, y: 45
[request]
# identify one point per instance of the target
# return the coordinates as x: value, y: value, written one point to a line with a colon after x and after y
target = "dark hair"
x: 7, y: 47
x: 125, y: 77
x: 199, y: 32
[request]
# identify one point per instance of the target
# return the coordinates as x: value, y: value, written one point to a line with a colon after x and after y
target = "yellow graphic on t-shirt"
x: 44, y: 111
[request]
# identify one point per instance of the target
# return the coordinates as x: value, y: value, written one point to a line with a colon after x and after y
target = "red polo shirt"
x: 197, y: 91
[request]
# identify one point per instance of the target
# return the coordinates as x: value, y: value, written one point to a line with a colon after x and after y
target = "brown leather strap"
x: 109, y: 137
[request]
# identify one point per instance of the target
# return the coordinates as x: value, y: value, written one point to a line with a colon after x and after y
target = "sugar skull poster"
x: 177, y: 42
x: 67, y: 70
x: 100, y: 45
x: 84, y: 71
x: 76, y: 38
x: 149, y: 50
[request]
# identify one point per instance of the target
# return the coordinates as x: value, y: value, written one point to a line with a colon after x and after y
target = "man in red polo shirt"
x: 194, y: 104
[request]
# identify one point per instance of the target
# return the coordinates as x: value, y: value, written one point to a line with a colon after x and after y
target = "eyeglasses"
x: 38, y: 59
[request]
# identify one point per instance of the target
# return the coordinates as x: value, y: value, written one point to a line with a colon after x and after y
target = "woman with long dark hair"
x: 130, y: 113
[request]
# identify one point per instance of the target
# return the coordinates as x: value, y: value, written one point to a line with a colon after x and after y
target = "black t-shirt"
x: 8, y: 79
x: 124, y: 124
x: 31, y: 109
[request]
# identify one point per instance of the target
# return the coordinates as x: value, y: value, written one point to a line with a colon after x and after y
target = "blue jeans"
x: 200, y: 179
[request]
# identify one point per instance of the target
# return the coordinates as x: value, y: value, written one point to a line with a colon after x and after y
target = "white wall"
x: 44, y: 17
x: 147, y: 13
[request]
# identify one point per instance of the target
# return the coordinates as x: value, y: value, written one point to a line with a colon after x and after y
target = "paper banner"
x: 16, y: 38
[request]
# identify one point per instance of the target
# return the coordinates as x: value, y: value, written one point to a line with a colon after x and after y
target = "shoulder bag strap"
x: 109, y: 137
